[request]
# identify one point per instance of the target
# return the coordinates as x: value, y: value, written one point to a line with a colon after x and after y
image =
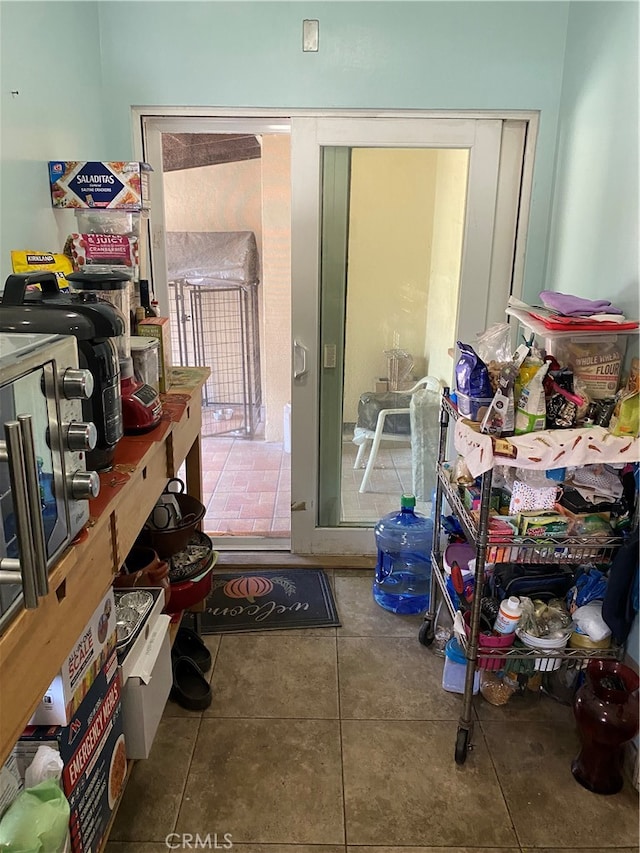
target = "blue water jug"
x: 403, y: 569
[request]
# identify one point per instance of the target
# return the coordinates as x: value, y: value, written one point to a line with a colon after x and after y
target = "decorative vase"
x: 143, y: 567
x: 606, y: 712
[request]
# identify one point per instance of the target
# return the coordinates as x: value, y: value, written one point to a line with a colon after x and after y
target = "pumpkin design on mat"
x: 254, y: 586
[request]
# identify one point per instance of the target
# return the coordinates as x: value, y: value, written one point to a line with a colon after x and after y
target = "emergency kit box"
x: 79, y: 669
x: 112, y: 185
x: 159, y: 328
x: 93, y: 751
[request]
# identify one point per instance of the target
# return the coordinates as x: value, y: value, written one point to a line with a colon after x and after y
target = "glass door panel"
x: 392, y: 231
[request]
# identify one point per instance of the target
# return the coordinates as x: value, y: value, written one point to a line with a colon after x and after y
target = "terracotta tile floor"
x: 247, y: 486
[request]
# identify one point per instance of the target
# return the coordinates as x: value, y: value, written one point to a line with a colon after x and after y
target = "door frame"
x: 280, y: 120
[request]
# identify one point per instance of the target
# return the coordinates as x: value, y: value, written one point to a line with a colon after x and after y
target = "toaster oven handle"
x: 15, y: 286
x: 17, y: 475
x: 35, y: 505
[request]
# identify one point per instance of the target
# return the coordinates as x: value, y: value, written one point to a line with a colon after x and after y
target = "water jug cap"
x: 408, y: 501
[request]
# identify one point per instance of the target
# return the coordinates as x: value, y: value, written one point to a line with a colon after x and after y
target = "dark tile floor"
x: 341, y: 741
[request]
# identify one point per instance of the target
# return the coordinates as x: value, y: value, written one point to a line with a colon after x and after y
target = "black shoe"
x: 189, y: 644
x: 190, y: 688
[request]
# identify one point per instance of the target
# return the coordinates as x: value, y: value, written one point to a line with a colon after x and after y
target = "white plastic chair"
x: 378, y: 435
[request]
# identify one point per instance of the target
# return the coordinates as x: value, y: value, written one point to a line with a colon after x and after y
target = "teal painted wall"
x: 50, y: 55
x: 418, y: 55
x: 594, y: 238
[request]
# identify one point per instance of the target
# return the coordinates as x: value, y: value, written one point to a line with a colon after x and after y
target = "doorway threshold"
x: 249, y: 559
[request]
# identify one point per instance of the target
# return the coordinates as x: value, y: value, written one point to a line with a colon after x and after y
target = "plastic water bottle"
x: 403, y: 570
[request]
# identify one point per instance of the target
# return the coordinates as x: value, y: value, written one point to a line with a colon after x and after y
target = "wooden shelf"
x: 34, y: 644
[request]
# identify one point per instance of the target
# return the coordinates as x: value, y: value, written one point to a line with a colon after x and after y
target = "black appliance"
x: 95, y: 324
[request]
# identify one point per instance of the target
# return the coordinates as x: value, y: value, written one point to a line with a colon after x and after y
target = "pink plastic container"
x: 489, y: 646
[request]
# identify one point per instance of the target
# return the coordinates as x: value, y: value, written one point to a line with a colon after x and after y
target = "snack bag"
x: 103, y: 249
x: 25, y: 261
x: 472, y: 384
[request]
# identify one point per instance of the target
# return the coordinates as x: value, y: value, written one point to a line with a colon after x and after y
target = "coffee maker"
x: 96, y: 326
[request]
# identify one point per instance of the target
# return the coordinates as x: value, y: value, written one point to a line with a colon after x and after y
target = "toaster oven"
x: 44, y: 484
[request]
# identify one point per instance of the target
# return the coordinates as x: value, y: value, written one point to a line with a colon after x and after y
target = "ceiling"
x: 192, y: 150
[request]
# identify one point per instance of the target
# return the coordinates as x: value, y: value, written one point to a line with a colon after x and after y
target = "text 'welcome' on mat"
x: 269, y: 600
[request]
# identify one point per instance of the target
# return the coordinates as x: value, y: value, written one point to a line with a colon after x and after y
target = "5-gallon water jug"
x: 403, y: 570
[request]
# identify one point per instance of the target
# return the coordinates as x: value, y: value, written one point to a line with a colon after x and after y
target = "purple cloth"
x: 576, y: 306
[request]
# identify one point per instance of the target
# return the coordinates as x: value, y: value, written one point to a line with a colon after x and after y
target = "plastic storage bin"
x: 455, y: 669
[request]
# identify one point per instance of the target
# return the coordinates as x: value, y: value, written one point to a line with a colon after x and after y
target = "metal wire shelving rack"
x: 567, y: 550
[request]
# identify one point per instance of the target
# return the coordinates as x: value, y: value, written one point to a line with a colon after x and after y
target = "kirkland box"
x: 93, y: 751
x: 116, y: 185
x: 81, y: 666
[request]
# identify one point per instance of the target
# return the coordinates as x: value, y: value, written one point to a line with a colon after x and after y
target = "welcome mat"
x: 263, y: 601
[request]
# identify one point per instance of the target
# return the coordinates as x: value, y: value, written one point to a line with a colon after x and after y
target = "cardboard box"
x: 113, y: 185
x: 81, y: 666
x: 146, y: 690
x: 159, y: 328
x: 93, y: 751
x: 10, y: 783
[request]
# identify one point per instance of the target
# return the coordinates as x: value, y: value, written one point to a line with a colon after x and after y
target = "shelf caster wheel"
x: 462, y: 746
x: 426, y: 633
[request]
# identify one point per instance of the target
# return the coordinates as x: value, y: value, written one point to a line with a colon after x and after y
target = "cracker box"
x: 113, y: 185
x: 159, y: 328
x: 80, y: 667
x: 93, y: 751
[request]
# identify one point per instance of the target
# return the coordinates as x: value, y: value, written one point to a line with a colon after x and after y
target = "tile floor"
x: 341, y: 741
x: 247, y: 486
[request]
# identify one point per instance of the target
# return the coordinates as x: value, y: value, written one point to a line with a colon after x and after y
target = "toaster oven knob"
x: 84, y: 485
x: 80, y: 436
x: 77, y: 384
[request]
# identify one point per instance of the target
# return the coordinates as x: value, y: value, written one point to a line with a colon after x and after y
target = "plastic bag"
x: 543, y: 620
x: 46, y: 764
x: 590, y: 585
x: 495, y: 343
x: 37, y: 821
x: 589, y: 621
x: 626, y: 418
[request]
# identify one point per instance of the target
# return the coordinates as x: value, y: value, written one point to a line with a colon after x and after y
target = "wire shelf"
x: 522, y: 549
